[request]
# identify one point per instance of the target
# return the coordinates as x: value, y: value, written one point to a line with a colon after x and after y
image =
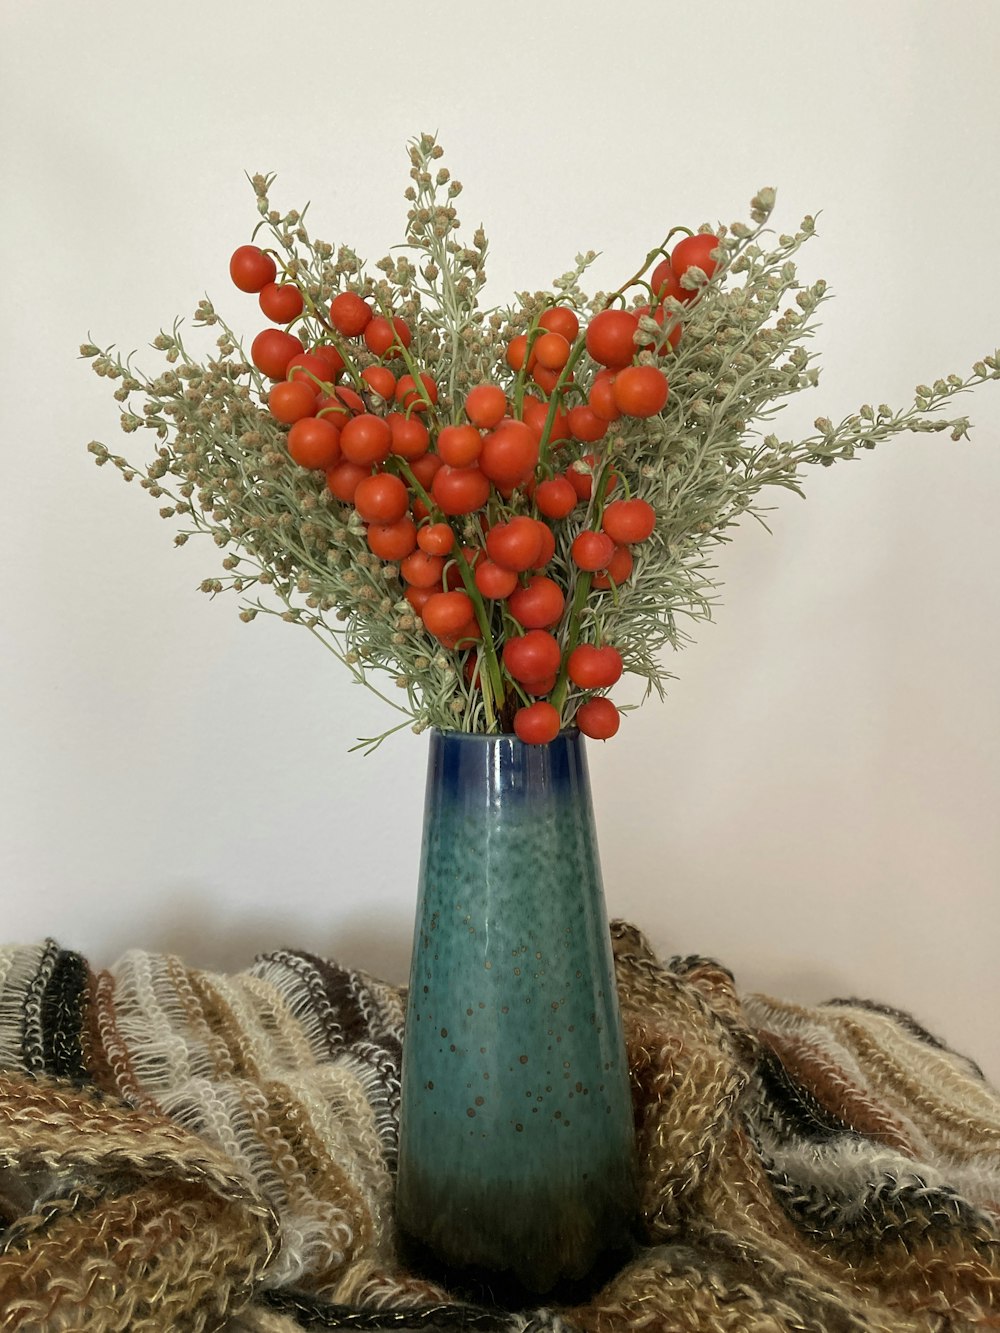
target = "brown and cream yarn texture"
x: 181, y: 1150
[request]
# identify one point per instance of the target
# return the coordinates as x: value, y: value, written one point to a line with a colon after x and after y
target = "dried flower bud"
x: 762, y: 204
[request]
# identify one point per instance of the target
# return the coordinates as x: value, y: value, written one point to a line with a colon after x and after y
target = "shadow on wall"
x: 215, y: 938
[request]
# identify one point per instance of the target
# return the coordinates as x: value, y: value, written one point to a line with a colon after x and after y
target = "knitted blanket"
x: 181, y: 1150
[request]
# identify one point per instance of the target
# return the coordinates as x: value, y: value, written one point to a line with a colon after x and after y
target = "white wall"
x: 817, y: 802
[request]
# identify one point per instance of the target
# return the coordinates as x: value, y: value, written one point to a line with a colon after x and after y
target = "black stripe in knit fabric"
x: 885, y: 1213
x: 343, y: 1000
x: 62, y: 1014
x: 801, y: 1113
x: 33, y: 1048
x: 311, y: 1313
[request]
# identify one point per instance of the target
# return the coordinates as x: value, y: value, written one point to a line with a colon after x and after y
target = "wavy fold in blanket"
x: 181, y: 1150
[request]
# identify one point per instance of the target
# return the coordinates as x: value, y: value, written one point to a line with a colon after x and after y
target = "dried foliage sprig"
x: 639, y: 421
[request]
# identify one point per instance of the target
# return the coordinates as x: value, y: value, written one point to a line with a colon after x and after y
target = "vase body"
x: 517, y: 1150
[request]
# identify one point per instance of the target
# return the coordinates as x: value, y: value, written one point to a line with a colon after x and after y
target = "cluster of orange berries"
x: 408, y: 479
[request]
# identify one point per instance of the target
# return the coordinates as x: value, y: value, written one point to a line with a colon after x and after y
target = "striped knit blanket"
x: 181, y: 1150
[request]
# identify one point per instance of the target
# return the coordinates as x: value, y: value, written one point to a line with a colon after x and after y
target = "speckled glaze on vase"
x: 517, y: 1149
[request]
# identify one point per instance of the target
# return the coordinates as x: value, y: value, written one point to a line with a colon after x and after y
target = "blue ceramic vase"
x: 517, y: 1150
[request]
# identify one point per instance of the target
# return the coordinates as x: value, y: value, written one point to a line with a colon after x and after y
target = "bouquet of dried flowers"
x: 504, y: 509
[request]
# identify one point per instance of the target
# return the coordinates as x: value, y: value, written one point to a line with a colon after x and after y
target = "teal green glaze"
x: 516, y: 1133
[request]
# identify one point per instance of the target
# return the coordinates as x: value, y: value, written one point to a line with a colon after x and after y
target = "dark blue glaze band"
x: 469, y: 767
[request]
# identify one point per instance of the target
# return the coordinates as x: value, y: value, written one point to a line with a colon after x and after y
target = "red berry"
x: 611, y: 337
x: 536, y: 413
x: 343, y: 479
x: 556, y: 497
x: 547, y: 545
x: 510, y: 454
x: 664, y: 282
x: 425, y: 469
x: 494, y: 581
x: 516, y: 351
x: 272, y: 350
x: 448, y: 612
x: 584, y: 424
x: 382, y: 499
x: 392, y: 541
x: 459, y: 445
x: 485, y: 405
x: 532, y: 657
x: 423, y: 570
x: 594, y: 668
x: 618, y: 569
x: 413, y: 399
x: 418, y: 597
x: 592, y: 550
x: 560, y: 319
x: 640, y: 391
x: 365, y: 439
x: 342, y: 404
x: 629, y: 521
x: 380, y: 380
x: 281, y: 302
x: 537, y: 723
x: 598, y: 718
x: 381, y: 336
x: 251, y: 269
x: 310, y: 369
x: 349, y: 314
x: 515, y: 545
x: 583, y: 482
x: 539, y: 605
x: 552, y: 350
x: 410, y: 438
x: 436, y: 538
x: 290, y: 401
x: 329, y: 354
x: 699, y: 251
x: 315, y: 443
x: 459, y: 490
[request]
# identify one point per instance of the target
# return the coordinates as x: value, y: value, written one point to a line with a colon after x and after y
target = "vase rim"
x: 566, y: 733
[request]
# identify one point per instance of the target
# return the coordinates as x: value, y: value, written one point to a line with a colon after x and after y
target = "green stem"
x: 580, y: 594
x: 579, y: 347
x: 661, y: 250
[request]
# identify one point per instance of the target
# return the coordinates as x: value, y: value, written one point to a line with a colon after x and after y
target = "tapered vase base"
x: 503, y: 1290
